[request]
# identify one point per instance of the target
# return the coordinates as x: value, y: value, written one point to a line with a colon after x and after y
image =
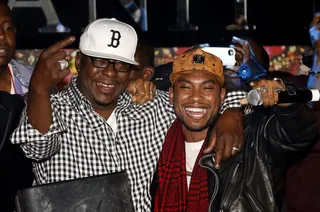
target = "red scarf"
x: 172, y: 193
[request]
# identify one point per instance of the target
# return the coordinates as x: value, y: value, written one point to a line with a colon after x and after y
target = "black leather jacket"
x: 15, y: 168
x: 253, y: 179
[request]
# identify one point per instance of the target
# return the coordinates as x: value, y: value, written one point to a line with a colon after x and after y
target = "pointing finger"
x: 59, y: 45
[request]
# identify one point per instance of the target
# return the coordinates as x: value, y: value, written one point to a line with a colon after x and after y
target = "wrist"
x: 251, y: 71
x: 232, y: 100
x: 315, y: 69
x: 39, y: 91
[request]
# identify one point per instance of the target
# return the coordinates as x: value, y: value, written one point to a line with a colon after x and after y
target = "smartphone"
x: 226, y: 54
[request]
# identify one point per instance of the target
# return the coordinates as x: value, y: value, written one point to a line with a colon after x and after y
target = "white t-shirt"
x: 112, y: 121
x: 192, y: 152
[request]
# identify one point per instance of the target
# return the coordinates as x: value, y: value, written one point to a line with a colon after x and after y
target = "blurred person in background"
x: 14, y: 77
x: 303, y: 182
x: 302, y: 175
x: 145, y: 56
x: 15, y: 168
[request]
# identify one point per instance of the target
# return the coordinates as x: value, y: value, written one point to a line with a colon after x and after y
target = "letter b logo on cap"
x: 115, y: 39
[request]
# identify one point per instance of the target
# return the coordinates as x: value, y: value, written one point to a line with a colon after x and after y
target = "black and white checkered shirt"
x: 80, y: 143
x: 232, y: 100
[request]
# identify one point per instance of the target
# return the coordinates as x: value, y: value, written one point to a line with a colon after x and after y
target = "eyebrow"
x: 8, y: 21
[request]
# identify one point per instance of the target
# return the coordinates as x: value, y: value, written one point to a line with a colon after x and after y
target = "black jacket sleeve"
x: 15, y: 168
x: 292, y: 128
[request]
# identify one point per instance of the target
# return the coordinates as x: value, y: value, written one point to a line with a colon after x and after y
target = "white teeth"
x: 196, y: 110
x: 2, y: 50
x: 104, y: 85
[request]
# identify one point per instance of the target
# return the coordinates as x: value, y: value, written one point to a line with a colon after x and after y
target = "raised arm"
x: 46, y: 75
x: 289, y: 127
x: 40, y: 126
x: 227, y: 135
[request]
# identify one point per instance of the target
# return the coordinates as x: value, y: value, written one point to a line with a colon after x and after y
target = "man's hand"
x: 269, y: 90
x: 141, y: 90
x: 243, y: 52
x: 47, y: 73
x: 227, y: 135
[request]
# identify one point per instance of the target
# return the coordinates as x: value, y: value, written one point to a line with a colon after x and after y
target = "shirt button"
x: 243, y: 72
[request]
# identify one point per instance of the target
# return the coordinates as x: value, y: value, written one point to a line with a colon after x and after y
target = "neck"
x: 104, y: 111
x: 194, y: 136
x: 3, y: 68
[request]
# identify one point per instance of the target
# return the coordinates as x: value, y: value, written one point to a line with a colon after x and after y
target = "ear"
x: 147, y: 73
x: 222, y: 95
x: 171, y: 95
x: 78, y: 61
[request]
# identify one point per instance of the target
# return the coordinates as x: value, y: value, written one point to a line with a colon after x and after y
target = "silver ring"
x: 63, y: 64
x: 235, y: 148
x: 278, y: 79
x: 263, y: 89
x: 277, y: 90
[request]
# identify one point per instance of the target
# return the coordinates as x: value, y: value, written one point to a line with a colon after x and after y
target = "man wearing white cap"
x: 93, y: 127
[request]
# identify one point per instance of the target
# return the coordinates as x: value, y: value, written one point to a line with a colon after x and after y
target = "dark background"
x: 278, y: 22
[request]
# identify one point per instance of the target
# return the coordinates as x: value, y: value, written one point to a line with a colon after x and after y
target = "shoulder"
x: 60, y: 98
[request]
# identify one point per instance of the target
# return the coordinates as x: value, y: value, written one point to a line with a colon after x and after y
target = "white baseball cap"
x: 110, y: 39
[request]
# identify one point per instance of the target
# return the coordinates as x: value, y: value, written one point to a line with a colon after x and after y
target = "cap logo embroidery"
x: 115, y: 39
x: 198, y: 59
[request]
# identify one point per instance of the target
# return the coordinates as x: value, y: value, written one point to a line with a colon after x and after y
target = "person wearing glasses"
x: 14, y: 76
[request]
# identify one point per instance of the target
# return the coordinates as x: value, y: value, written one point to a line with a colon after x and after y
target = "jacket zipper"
x: 255, y: 206
x: 217, y: 178
x: 228, y: 190
x: 212, y: 198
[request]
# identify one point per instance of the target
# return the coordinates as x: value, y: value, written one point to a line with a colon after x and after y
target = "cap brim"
x: 109, y: 56
x: 175, y: 76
